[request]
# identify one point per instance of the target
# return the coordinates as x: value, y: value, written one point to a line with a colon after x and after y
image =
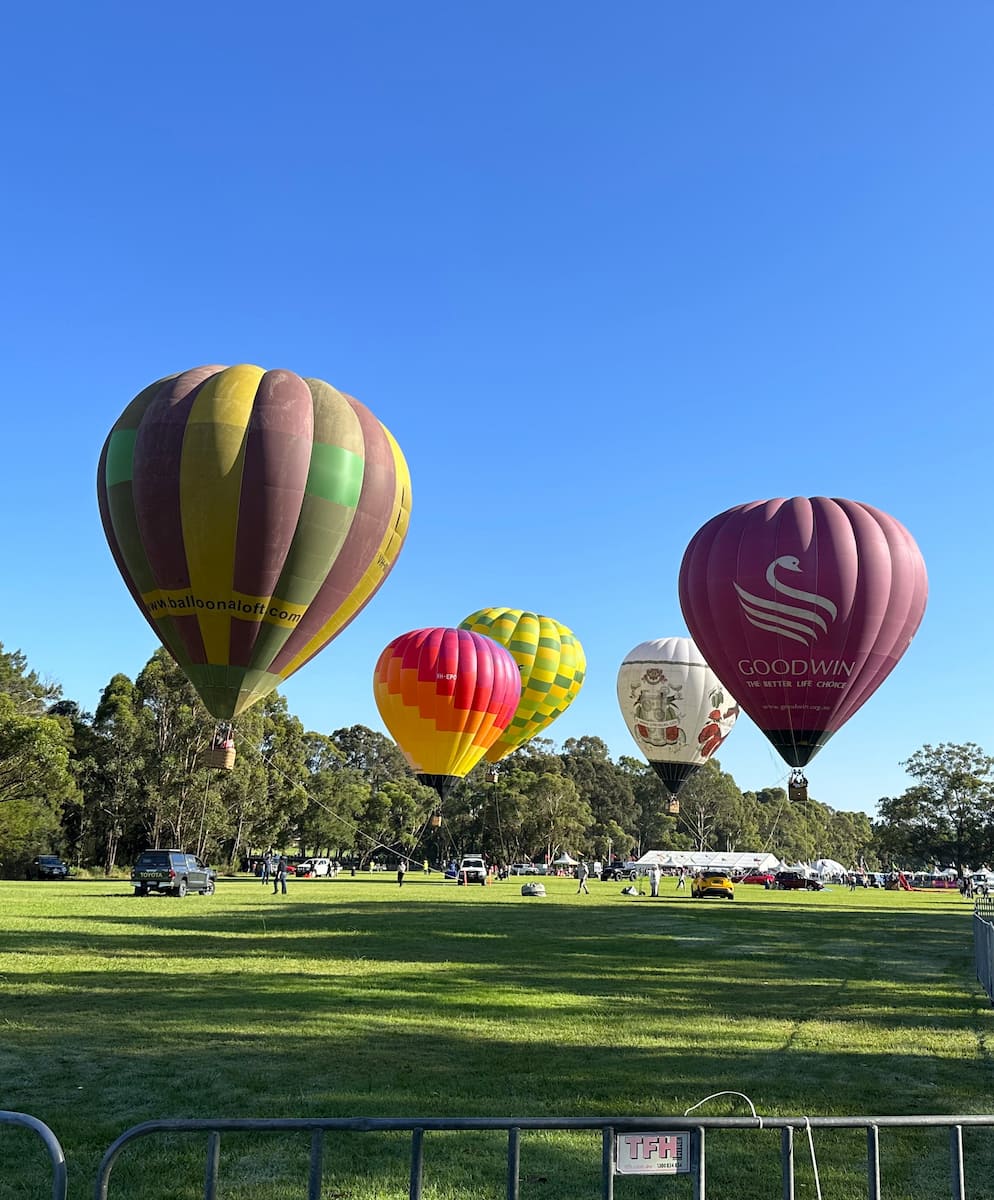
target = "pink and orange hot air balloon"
x: 446, y: 695
x: 802, y: 607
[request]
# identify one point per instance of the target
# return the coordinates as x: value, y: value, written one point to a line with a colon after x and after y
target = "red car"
x: 763, y: 877
x: 794, y: 881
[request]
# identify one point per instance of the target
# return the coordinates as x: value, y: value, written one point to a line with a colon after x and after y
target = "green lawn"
x: 353, y: 997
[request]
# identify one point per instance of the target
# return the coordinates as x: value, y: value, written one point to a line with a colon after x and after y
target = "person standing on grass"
x: 654, y: 874
x: 267, y: 865
x: 681, y: 882
x: 401, y: 870
x: 279, y: 875
x: 582, y: 872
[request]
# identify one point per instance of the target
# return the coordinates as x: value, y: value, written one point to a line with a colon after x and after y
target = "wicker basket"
x: 221, y: 758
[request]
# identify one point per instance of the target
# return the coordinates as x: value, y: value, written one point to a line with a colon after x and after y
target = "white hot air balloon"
x: 675, y: 707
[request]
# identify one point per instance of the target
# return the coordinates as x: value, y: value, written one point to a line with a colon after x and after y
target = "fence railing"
x: 51, y: 1143
x: 983, y: 942
x: 660, y: 1145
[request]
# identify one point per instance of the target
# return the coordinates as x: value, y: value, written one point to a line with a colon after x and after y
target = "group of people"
x: 274, y: 869
x: 655, y: 875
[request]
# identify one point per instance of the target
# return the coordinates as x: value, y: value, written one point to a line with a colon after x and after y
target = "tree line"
x: 101, y: 787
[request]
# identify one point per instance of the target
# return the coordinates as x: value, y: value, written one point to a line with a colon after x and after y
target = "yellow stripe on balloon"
x: 184, y: 602
x: 388, y: 550
x: 210, y: 487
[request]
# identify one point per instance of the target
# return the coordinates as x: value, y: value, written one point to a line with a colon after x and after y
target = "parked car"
x: 712, y: 883
x: 523, y: 869
x: 317, y: 866
x: 171, y: 871
x: 472, y: 869
x: 763, y: 877
x: 49, y: 866
x: 795, y: 881
x: 621, y: 870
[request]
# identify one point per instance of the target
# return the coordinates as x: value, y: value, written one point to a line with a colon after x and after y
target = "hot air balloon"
x: 252, y: 514
x: 446, y: 695
x: 675, y: 707
x: 552, y: 665
x: 802, y: 607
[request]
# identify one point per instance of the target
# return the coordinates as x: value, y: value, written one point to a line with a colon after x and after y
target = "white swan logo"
x: 788, y: 620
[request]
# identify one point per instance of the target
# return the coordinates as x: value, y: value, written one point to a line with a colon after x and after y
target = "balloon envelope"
x: 675, y: 707
x: 252, y: 515
x: 552, y: 665
x: 802, y: 607
x: 446, y: 695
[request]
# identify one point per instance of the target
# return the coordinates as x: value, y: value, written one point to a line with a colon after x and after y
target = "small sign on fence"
x: 652, y: 1153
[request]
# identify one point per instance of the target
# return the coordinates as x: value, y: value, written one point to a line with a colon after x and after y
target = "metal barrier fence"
x: 654, y: 1145
x: 51, y: 1142
x: 983, y: 942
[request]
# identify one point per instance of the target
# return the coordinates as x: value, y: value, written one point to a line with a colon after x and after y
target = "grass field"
x: 353, y: 997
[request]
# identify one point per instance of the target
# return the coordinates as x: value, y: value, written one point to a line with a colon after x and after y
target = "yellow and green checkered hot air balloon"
x: 552, y: 665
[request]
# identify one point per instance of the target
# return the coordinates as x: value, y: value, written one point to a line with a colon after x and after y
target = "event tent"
x: 711, y: 860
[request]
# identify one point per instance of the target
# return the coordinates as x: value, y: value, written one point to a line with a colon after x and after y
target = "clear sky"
x: 603, y: 270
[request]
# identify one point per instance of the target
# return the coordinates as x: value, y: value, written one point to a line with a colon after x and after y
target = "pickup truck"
x: 171, y: 871
x: 472, y: 869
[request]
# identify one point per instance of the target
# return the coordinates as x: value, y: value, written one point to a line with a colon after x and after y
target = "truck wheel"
x: 181, y: 888
x: 209, y: 887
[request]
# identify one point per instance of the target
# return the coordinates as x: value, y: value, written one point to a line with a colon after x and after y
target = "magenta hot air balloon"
x: 802, y: 607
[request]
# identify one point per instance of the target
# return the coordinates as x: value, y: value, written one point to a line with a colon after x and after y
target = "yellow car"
x: 712, y: 883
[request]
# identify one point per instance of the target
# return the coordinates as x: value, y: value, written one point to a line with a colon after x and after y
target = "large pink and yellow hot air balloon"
x: 252, y: 514
x: 446, y: 695
x: 802, y: 607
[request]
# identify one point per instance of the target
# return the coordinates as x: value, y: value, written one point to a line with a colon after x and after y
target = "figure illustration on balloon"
x: 675, y: 707
x: 657, y: 708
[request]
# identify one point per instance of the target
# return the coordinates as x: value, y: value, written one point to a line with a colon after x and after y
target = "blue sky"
x: 603, y: 271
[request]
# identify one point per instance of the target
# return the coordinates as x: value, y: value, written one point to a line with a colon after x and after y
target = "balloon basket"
x: 221, y: 758
x: 673, y: 808
x: 797, y: 788
x: 436, y: 821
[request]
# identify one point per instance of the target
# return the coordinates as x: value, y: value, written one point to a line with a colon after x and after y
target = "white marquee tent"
x: 711, y: 860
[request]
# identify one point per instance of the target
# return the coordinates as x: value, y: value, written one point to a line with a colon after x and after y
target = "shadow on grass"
x: 344, y: 1005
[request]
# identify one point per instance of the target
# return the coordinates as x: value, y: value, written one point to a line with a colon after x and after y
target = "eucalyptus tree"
x: 114, y: 796
x: 36, y: 781
x: 948, y: 815
x: 709, y: 808
x: 655, y: 826
x: 31, y: 695
x: 336, y: 795
x: 604, y: 787
x: 36, y: 777
x: 176, y: 732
